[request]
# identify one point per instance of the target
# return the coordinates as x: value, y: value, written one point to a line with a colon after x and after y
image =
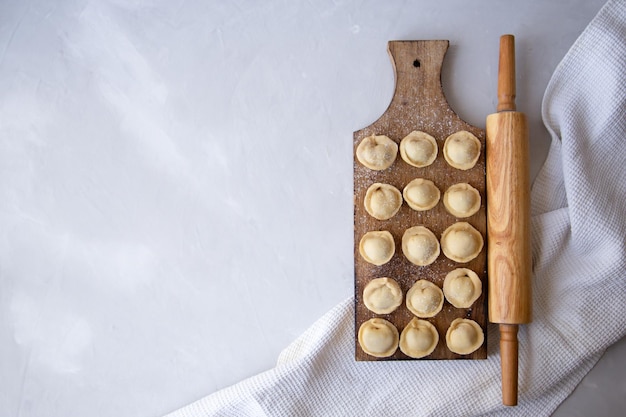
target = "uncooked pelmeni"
x: 382, y: 295
x: 424, y: 299
x: 378, y: 338
x: 377, y: 152
x: 421, y: 194
x: 461, y: 242
x: 418, y: 149
x: 382, y: 201
x: 462, y: 287
x: 420, y: 245
x: 377, y: 247
x: 418, y: 339
x: 462, y: 200
x: 464, y: 336
x: 461, y: 150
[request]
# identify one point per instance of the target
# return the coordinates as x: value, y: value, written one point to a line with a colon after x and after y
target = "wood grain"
x: 508, y: 219
x: 418, y: 103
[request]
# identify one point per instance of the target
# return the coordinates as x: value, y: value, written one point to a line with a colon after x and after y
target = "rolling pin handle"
x: 508, y: 362
x: 506, y: 74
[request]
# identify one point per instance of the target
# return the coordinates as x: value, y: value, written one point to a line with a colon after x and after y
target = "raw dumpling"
x: 377, y: 152
x: 420, y: 245
x: 418, y: 339
x: 462, y: 287
x: 377, y: 247
x: 378, y: 338
x: 461, y: 242
x: 382, y: 201
x: 382, y: 295
x: 418, y: 149
x: 462, y: 200
x: 464, y: 336
x: 461, y: 150
x: 424, y: 299
x: 421, y: 194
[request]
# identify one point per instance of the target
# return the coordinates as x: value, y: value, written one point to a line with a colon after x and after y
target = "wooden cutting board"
x: 418, y: 104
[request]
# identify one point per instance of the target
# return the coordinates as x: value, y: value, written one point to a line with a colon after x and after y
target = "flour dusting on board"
x: 418, y: 104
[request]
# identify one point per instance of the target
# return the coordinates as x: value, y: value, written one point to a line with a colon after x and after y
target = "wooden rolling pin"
x: 508, y: 217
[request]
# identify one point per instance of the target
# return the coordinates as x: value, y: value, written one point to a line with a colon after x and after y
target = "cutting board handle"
x: 418, y: 94
x: 417, y: 68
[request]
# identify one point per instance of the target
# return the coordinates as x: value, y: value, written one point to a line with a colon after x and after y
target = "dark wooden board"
x: 419, y: 104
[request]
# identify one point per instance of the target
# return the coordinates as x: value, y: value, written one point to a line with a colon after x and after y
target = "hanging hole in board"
x: 416, y: 63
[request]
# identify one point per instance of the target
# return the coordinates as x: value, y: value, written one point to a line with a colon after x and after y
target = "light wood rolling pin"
x: 508, y: 220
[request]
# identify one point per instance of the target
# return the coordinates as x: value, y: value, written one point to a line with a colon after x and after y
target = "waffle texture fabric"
x: 579, y: 259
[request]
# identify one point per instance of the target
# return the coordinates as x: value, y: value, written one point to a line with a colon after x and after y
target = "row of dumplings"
x: 460, y: 242
x: 461, y: 288
x: 383, y: 201
x: 379, y: 338
x: 419, y: 149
